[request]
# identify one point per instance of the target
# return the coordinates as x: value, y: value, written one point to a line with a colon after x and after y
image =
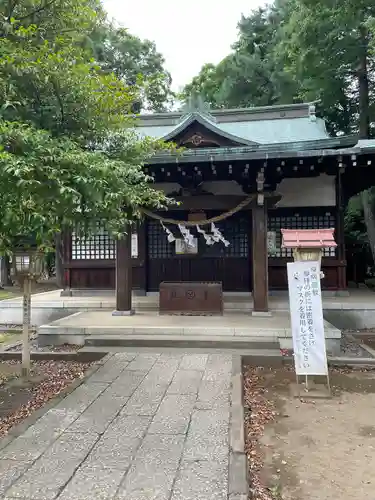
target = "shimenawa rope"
x: 218, y: 218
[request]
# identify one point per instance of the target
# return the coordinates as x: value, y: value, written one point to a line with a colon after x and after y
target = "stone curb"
x: 238, y: 487
x: 22, y: 427
x: 78, y: 356
x: 260, y: 360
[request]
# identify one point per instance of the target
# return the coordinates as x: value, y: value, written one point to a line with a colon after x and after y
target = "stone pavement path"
x: 142, y: 427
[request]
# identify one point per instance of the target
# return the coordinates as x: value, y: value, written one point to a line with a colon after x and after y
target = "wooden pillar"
x: 123, y: 277
x: 260, y: 260
x: 66, y: 261
x: 340, y: 233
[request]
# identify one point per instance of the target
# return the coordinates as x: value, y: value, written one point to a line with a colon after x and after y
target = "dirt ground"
x: 20, y: 398
x: 302, y: 449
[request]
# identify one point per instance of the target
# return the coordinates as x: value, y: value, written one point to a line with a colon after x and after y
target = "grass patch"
x: 6, y: 295
x: 9, y: 337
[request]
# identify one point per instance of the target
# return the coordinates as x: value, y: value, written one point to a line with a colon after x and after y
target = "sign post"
x: 306, y: 314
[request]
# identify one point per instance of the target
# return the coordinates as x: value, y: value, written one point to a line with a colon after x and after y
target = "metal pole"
x: 26, y: 327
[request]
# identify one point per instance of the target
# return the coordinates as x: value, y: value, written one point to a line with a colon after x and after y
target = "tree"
x: 301, y: 50
x: 69, y: 156
x: 135, y: 62
x: 326, y: 45
x: 251, y: 74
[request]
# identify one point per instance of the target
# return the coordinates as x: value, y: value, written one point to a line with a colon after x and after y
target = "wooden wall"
x: 235, y: 271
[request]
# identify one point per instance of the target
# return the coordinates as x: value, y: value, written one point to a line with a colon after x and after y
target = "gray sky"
x: 188, y: 34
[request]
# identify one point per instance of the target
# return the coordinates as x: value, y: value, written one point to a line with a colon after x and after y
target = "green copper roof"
x: 263, y: 126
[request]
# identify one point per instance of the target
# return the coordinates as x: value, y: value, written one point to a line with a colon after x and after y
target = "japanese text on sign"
x: 307, y: 318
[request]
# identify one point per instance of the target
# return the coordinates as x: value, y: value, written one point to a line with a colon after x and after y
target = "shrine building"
x: 244, y: 175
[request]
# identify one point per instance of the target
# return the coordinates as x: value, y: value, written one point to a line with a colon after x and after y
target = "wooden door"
x: 230, y: 265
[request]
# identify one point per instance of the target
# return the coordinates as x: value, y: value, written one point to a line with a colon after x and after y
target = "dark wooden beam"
x: 260, y: 260
x: 123, y: 276
x: 340, y: 231
x: 209, y: 202
x: 219, y: 202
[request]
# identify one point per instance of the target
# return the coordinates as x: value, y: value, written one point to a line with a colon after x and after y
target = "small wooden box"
x: 191, y: 298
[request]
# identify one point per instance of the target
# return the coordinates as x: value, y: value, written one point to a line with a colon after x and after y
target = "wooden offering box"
x: 191, y: 298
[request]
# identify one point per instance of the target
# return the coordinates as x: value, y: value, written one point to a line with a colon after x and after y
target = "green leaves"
x: 69, y: 155
x: 300, y: 50
x: 49, y: 183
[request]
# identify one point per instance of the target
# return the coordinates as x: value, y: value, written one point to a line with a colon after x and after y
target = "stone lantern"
x: 27, y: 266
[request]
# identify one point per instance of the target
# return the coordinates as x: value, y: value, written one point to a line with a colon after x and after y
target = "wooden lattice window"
x: 97, y: 246
x: 300, y: 220
x: 158, y: 245
x: 235, y: 229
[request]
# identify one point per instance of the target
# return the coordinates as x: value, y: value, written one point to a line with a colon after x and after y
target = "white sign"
x: 271, y: 243
x: 134, y: 246
x: 183, y: 248
x: 306, y: 314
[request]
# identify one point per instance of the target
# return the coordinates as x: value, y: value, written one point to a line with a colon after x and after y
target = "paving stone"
x: 161, y: 450
x: 133, y: 416
x: 194, y: 362
x: 126, y: 384
x: 44, y: 480
x: 112, y: 368
x: 207, y: 438
x: 146, y: 484
x: 145, y: 400
x: 10, y: 471
x: 153, y: 471
x: 163, y: 371
x: 49, y: 474
x: 92, y: 484
x: 99, y: 415
x: 117, y: 446
x: 143, y: 362
x: 173, y: 415
x: 82, y: 397
x: 218, y: 367
x: 114, y: 453
x: 213, y: 394
x: 185, y: 382
x: 123, y: 357
x: 55, y: 421
x: 26, y: 448
x: 201, y: 481
x: 71, y: 446
x: 167, y: 356
x: 128, y: 426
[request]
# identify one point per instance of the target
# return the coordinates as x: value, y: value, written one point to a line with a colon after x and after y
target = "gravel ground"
x: 300, y: 448
x: 20, y: 398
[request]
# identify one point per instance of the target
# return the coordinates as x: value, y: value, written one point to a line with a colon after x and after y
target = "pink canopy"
x: 308, y: 238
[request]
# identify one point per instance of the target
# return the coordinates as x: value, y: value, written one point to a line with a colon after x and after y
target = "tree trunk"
x: 363, y: 87
x: 368, y: 214
x: 59, y: 268
x: 5, y: 271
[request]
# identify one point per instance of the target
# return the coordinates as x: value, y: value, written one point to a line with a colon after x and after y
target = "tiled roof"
x: 264, y: 125
x: 308, y: 238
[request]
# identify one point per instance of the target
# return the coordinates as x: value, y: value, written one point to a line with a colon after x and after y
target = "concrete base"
x: 123, y: 313
x: 97, y: 292
x: 325, y: 293
x: 333, y: 345
x: 261, y: 314
x: 315, y: 391
x: 149, y: 328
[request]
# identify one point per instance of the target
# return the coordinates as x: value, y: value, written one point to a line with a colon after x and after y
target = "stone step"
x: 183, y: 341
